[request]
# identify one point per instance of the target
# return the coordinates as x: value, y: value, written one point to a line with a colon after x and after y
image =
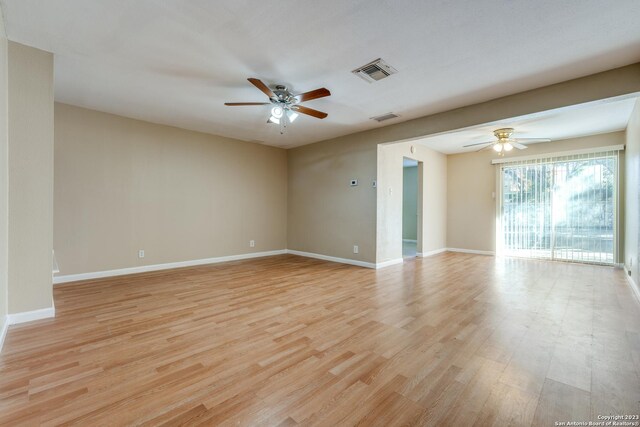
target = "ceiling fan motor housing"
x: 504, y: 133
x: 283, y: 95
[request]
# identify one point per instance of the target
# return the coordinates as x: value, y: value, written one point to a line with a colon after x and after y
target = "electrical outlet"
x: 356, y: 249
x: 141, y: 253
x: 252, y: 243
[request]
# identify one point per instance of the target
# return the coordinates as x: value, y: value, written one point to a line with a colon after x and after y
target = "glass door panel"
x: 560, y: 209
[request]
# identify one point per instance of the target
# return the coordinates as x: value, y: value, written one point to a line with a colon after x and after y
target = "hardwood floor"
x: 452, y: 339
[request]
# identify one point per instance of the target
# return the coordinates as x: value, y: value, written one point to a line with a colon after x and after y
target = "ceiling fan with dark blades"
x: 286, y: 106
x: 505, y: 142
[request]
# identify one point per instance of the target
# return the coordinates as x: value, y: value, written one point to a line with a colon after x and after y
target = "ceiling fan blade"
x: 309, y: 111
x: 531, y: 139
x: 485, y: 148
x: 314, y: 94
x: 263, y: 87
x: 518, y: 145
x: 239, y: 104
x: 479, y: 143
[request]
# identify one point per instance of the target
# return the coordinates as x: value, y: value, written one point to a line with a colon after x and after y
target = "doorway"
x: 409, y: 207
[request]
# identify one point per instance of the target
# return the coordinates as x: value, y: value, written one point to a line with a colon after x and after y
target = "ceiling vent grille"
x: 384, y: 117
x: 374, y: 71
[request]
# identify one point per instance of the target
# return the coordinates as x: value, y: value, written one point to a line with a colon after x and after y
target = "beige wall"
x: 30, y: 178
x: 410, y: 203
x: 432, y: 199
x: 327, y: 217
x: 4, y: 181
x: 122, y: 185
x: 632, y: 199
x: 471, y: 180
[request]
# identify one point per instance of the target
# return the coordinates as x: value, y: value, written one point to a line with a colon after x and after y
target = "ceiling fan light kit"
x: 505, y: 142
x: 286, y: 106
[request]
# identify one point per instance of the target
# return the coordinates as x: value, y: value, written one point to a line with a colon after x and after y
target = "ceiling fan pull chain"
x: 283, y: 123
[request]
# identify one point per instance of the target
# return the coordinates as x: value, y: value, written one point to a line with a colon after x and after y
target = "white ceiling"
x: 176, y: 62
x: 562, y: 123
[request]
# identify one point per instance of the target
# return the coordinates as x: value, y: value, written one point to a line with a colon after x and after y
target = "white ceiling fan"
x: 505, y: 142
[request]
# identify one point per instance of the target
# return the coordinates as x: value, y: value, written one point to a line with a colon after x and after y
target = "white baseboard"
x: 390, y: 262
x: 333, y: 259
x: 3, y: 331
x: 409, y: 240
x: 165, y: 266
x: 430, y: 253
x: 170, y: 265
x: 632, y: 283
x: 26, y: 316
x: 470, y: 251
x: 346, y: 260
x: 29, y: 316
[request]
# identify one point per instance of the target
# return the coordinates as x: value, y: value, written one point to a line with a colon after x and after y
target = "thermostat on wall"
x: 353, y: 182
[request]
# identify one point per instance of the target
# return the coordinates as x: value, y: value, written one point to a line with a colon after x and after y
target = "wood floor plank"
x: 453, y: 339
x: 560, y: 402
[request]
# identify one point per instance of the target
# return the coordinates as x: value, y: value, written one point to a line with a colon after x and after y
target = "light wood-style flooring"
x: 453, y: 339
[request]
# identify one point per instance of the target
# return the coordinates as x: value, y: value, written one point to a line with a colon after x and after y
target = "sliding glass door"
x: 560, y: 208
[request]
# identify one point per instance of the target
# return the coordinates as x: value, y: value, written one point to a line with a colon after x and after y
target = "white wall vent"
x: 384, y: 117
x: 374, y: 71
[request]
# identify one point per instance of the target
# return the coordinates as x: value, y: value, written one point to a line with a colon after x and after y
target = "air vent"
x: 384, y: 117
x: 374, y: 71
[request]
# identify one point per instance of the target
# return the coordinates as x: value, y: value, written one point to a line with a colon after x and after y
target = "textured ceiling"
x: 177, y: 62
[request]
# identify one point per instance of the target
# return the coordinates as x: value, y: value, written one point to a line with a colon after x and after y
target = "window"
x: 562, y: 208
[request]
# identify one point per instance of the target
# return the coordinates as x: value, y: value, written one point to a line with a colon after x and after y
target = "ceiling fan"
x: 286, y: 106
x: 505, y: 142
